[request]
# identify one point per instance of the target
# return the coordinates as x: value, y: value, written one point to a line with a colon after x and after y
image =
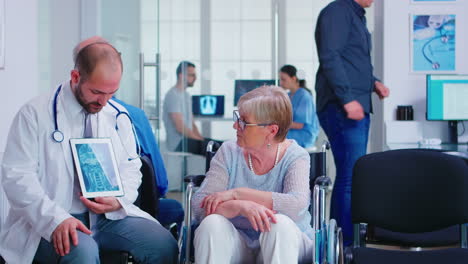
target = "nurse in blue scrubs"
x: 305, y: 127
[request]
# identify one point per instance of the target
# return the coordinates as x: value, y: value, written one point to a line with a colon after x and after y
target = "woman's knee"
x: 281, y: 243
x: 283, y: 224
x: 284, y: 228
x: 214, y: 223
x: 212, y: 226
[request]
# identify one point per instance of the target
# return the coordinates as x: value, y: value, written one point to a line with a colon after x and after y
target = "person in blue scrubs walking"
x: 305, y: 127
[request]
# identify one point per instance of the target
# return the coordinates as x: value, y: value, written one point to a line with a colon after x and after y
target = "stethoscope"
x: 444, y: 38
x: 58, y: 136
x: 435, y: 64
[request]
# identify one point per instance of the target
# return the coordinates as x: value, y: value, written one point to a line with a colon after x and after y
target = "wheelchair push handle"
x: 325, y: 146
x: 323, y: 180
x: 210, y: 146
x: 195, y: 179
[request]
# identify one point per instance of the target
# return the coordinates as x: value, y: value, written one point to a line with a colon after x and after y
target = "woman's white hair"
x: 268, y: 105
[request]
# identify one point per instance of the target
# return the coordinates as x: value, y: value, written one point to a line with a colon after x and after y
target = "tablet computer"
x: 96, y: 166
x: 208, y: 105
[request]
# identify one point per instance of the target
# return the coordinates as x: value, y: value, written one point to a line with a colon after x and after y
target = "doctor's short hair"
x: 89, y: 56
x: 86, y: 42
x: 182, y: 67
x: 268, y: 105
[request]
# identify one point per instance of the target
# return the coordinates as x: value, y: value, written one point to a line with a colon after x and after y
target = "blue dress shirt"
x: 344, y: 49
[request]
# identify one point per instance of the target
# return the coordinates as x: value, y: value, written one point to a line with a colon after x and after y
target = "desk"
x: 460, y: 150
x: 212, y: 118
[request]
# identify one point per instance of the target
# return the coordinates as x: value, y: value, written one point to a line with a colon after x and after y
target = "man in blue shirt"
x: 344, y: 85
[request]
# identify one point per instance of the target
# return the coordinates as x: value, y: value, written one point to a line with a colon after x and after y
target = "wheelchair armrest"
x: 195, y: 179
x: 323, y: 181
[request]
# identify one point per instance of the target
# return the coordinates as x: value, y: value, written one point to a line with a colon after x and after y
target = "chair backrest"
x: 410, y: 190
x: 148, y: 193
x: 211, y: 149
x: 209, y: 156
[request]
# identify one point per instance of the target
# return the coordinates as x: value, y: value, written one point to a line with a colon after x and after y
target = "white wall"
x: 59, y: 31
x: 410, y: 88
x: 26, y: 39
x: 18, y: 80
x: 65, y: 34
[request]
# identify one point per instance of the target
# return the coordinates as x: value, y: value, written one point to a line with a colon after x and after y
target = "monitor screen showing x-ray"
x: 244, y: 86
x: 447, y: 97
x: 208, y: 105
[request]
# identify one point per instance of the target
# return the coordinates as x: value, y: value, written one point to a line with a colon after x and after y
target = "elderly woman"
x: 253, y: 204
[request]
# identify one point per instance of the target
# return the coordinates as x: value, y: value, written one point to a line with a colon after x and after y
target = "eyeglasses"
x: 242, y: 123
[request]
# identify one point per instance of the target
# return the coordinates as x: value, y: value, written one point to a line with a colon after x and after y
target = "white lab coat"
x: 38, y: 173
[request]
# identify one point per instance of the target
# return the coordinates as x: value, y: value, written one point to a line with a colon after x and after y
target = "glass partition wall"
x: 226, y: 40
x: 132, y: 27
x: 240, y: 45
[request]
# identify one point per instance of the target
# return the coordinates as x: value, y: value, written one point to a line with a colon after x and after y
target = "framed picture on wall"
x: 433, y: 43
x: 2, y: 34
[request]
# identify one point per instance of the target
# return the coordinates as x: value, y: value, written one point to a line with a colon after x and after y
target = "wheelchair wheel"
x: 340, y: 247
x: 331, y: 253
x: 335, y: 244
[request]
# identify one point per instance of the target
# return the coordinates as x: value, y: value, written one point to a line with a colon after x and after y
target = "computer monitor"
x: 208, y: 105
x: 244, y: 86
x: 447, y: 100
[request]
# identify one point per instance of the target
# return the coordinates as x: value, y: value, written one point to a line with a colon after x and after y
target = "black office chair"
x: 147, y: 200
x: 148, y: 192
x: 449, y: 236
x: 328, y: 236
x: 409, y: 194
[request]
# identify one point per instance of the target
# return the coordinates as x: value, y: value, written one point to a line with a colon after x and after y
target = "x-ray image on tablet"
x: 208, y: 105
x: 96, y: 167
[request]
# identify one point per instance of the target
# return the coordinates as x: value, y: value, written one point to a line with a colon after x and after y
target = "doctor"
x: 48, y: 221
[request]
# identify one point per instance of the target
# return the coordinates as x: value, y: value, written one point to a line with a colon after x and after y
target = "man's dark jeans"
x: 170, y: 211
x: 348, y: 139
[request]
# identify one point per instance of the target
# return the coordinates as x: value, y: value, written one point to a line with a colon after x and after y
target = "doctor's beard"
x: 90, y: 107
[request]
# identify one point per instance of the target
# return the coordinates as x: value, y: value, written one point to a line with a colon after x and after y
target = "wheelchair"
x: 328, y: 236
